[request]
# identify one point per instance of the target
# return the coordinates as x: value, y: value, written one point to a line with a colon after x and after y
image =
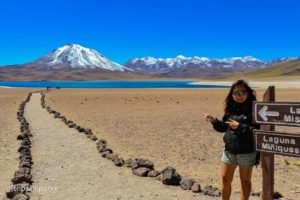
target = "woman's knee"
x: 246, y: 183
x: 227, y: 179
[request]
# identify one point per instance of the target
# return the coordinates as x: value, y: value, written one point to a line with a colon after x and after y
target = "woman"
x: 237, y: 125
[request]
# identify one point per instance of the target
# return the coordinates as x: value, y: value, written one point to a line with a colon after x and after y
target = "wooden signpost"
x: 270, y: 113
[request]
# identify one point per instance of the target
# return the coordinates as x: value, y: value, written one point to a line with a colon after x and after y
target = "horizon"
x: 123, y: 30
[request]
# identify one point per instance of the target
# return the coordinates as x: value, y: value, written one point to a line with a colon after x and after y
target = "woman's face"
x: 239, y: 94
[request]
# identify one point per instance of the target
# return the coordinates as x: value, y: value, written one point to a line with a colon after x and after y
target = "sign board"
x: 277, y: 113
x: 277, y: 143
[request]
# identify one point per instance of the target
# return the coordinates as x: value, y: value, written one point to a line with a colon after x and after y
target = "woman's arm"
x: 247, y: 128
x: 220, y: 125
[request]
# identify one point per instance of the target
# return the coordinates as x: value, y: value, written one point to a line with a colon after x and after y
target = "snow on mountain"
x: 76, y: 56
x: 235, y: 63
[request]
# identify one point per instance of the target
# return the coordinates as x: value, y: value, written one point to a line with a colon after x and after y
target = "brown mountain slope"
x: 289, y: 69
x: 20, y: 73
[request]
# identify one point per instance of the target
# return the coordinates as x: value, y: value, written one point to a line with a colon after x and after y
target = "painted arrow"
x: 264, y: 113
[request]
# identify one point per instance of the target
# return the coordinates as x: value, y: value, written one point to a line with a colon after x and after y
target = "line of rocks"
x: 87, y: 131
x: 22, y: 180
x: 140, y: 167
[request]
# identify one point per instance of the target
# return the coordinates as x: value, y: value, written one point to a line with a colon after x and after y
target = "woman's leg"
x: 227, y: 171
x: 245, y: 176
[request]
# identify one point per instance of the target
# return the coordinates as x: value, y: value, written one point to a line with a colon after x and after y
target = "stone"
x: 25, y: 165
x: 187, y: 184
x: 128, y: 162
x: 101, y: 142
x: 16, y: 189
x: 22, y: 136
x: 196, y: 187
x: 23, y: 147
x: 170, y: 176
x: 22, y: 178
x: 71, y: 125
x: 92, y: 137
x: 211, y: 191
x: 139, y: 162
x: 21, y: 197
x: 26, y: 141
x: 119, y: 162
x: 105, y: 154
x: 153, y: 173
x: 277, y: 195
x: 80, y: 129
x: 103, y: 149
x: 141, y: 171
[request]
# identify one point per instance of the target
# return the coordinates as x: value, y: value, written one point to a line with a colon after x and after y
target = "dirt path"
x: 68, y: 166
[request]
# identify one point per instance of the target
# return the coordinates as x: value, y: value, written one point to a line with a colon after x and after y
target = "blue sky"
x: 123, y: 29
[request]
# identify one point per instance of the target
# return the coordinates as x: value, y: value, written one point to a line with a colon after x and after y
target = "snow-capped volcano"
x: 180, y: 62
x: 76, y: 56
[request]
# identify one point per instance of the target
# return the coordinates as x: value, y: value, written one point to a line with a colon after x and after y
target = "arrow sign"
x: 264, y: 113
x: 278, y: 113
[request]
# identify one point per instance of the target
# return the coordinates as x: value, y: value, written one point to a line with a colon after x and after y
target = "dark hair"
x: 229, y: 103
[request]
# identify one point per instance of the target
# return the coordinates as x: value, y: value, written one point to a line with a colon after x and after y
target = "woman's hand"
x: 208, y: 117
x: 233, y: 124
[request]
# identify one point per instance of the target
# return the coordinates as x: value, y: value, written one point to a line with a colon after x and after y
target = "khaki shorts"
x: 243, y: 160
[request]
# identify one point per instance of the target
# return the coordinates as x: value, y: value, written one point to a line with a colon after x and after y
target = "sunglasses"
x: 239, y: 92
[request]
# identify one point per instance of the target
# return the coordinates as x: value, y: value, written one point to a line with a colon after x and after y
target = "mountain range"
x: 75, y: 62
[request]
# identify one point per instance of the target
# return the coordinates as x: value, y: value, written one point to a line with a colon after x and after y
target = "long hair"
x: 229, y: 102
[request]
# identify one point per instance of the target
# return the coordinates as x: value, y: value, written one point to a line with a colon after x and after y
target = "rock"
x: 71, y: 125
x: 21, y: 171
x: 170, y: 176
x: 153, y: 173
x: 26, y: 141
x: 22, y: 136
x: 101, y: 142
x: 24, y: 147
x: 21, y: 197
x: 187, y: 184
x: 103, y: 149
x: 88, y: 131
x: 211, y: 191
x: 142, y: 163
x: 111, y: 156
x: 22, y: 178
x: 277, y: 195
x: 80, y: 129
x: 56, y: 115
x: 17, y: 189
x: 93, y: 137
x: 128, y: 162
x: 158, y: 177
x: 25, y: 165
x: 255, y: 194
x: 105, y: 154
x: 141, y: 171
x: 119, y: 162
x: 196, y: 187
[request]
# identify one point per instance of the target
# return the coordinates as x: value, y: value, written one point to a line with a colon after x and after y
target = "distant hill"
x: 73, y: 62
x: 288, y: 69
x: 26, y: 74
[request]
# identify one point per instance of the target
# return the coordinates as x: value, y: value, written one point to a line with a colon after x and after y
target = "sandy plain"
x: 162, y: 125
x: 166, y: 127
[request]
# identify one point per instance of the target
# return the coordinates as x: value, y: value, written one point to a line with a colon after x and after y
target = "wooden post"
x: 267, y: 159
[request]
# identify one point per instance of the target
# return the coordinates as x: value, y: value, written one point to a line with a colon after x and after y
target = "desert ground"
x: 162, y: 125
x: 166, y: 127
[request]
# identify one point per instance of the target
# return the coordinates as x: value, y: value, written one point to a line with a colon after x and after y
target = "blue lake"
x: 109, y: 84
